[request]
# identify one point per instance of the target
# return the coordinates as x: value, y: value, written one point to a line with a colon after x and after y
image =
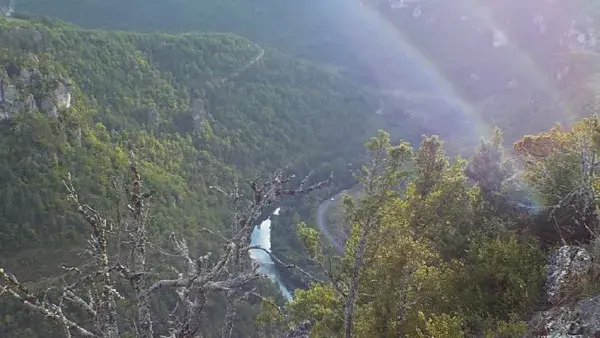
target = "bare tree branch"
x: 49, y: 310
x: 93, y: 288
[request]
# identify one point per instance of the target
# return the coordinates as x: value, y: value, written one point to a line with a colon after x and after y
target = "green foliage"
x: 511, y: 329
x: 433, y: 266
x: 197, y: 109
x: 310, y: 239
x: 322, y: 304
x: 440, y: 202
x: 259, y: 20
x: 445, y: 254
x: 561, y: 168
x: 254, y: 122
x: 501, y: 277
x: 441, y: 326
x: 488, y: 168
x: 334, y: 34
x: 269, y: 319
x: 430, y: 162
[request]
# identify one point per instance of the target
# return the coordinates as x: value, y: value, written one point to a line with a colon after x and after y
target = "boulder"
x: 61, y: 99
x: 302, y: 330
x: 566, y: 266
x: 580, y: 320
x: 564, y: 319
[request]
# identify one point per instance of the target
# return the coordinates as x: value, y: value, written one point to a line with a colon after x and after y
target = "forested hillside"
x: 500, y: 243
x: 337, y: 34
x: 303, y: 29
x: 514, y: 65
x: 254, y: 19
x: 197, y: 109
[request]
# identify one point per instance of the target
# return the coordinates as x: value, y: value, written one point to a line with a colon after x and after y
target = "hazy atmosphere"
x: 295, y: 169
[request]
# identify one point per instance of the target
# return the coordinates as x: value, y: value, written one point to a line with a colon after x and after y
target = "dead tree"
x: 93, y: 288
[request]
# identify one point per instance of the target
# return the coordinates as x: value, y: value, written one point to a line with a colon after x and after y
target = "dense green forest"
x: 198, y: 109
x: 545, y: 65
x: 307, y: 29
x: 439, y: 245
x: 254, y: 19
x: 166, y: 93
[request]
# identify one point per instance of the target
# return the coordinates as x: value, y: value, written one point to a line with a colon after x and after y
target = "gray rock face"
x: 581, y: 320
x: 7, y: 8
x: 27, y: 105
x: 47, y: 106
x: 8, y: 92
x: 62, y: 96
x: 199, y: 114
x: 9, y: 104
x: 589, y: 316
x: 60, y: 100
x: 567, y: 264
x: 301, y: 330
x: 37, y: 36
x: 25, y: 76
x: 16, y: 92
x: 79, y: 137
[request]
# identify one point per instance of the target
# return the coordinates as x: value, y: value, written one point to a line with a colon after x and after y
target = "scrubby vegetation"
x: 444, y: 247
x: 201, y: 109
x: 439, y: 245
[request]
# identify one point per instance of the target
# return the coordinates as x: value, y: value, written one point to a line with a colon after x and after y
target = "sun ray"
x: 442, y: 87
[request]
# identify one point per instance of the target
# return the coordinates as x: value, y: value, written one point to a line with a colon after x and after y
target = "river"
x: 261, y: 236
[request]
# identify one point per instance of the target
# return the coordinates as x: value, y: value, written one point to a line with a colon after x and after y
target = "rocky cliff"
x: 571, y: 311
x: 28, y: 90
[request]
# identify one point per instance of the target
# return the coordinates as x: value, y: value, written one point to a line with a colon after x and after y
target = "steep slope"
x: 337, y: 33
x: 196, y: 109
x: 276, y: 110
x: 510, y: 64
x: 268, y: 22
